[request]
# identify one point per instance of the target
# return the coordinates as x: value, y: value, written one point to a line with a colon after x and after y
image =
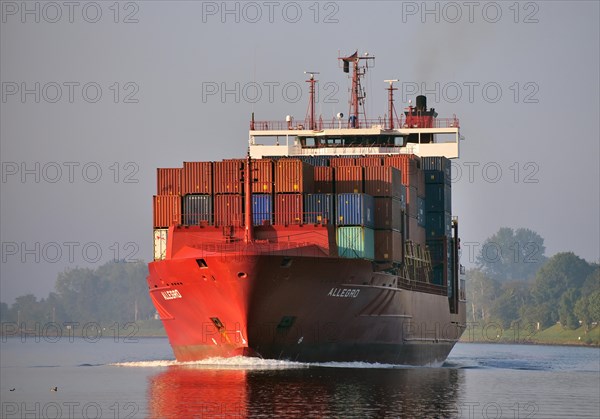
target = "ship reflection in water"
x: 195, y: 391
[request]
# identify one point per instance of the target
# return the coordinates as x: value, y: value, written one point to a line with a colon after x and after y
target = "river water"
x: 138, y: 378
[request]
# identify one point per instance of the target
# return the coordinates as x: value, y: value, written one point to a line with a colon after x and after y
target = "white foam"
x: 236, y: 362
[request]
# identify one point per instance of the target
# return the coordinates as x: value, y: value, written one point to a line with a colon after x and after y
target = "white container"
x: 160, y: 243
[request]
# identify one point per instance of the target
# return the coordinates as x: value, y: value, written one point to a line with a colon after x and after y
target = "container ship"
x: 331, y: 240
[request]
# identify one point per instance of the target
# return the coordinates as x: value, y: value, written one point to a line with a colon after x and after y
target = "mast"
x: 391, y: 110
x: 357, y: 93
x: 311, y: 101
x: 248, y: 221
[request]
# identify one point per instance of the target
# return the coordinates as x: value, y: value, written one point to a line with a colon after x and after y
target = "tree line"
x: 514, y: 282
x: 114, y: 292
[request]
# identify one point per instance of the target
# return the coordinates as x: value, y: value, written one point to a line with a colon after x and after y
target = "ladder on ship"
x: 417, y: 263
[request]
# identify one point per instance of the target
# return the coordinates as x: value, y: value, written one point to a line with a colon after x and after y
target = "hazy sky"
x: 96, y: 95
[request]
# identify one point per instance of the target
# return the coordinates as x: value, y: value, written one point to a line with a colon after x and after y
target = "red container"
x: 342, y: 161
x: 416, y: 233
x: 408, y: 164
x: 167, y: 210
x: 196, y: 178
x: 294, y: 176
x: 383, y: 181
x: 228, y: 210
x: 412, y: 206
x: 168, y: 181
x: 349, y: 179
x: 228, y: 176
x: 288, y: 209
x: 388, y: 246
x: 369, y: 161
x: 323, y: 179
x: 262, y: 176
x: 388, y: 214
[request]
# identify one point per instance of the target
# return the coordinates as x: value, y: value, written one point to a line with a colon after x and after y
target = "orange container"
x: 228, y: 176
x: 168, y: 181
x: 342, y: 161
x: 388, y: 246
x: 167, y: 210
x: 349, y: 179
x: 383, y: 181
x: 197, y: 177
x: 289, y: 208
x: 369, y: 161
x: 228, y: 210
x: 262, y: 176
x: 323, y: 179
x: 408, y: 164
x: 294, y: 176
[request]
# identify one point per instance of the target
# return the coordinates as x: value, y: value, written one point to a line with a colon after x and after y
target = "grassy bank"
x: 555, y: 335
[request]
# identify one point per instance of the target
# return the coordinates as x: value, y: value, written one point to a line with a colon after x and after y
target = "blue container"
x: 356, y: 242
x: 355, y: 209
x: 438, y: 197
x: 438, y: 223
x: 196, y: 208
x: 440, y: 164
x: 319, y: 207
x: 262, y: 209
x: 315, y: 160
x: 421, y: 211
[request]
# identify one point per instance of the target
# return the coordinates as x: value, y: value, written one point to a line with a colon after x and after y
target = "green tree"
x: 507, y: 306
x: 562, y: 272
x: 566, y: 308
x: 512, y: 254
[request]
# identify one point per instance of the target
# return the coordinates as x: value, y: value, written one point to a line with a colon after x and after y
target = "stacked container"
x: 228, y: 181
x: 262, y: 178
x: 349, y: 179
x: 293, y: 179
x: 196, y: 191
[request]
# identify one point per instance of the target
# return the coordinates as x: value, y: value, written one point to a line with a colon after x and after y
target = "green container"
x: 356, y: 242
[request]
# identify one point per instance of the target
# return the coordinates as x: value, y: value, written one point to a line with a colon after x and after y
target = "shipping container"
x: 388, y: 246
x: 412, y: 205
x: 349, y: 179
x: 435, y: 176
x: 319, y: 208
x: 315, y: 160
x: 388, y: 214
x: 403, y: 198
x: 167, y: 210
x: 356, y: 242
x: 168, y: 181
x: 355, y: 209
x: 262, y: 209
x: 228, y: 210
x: 441, y: 164
x: 438, y: 197
x: 420, y: 183
x: 228, y: 176
x: 369, y: 161
x: 438, y: 223
x: 342, y: 161
x: 294, y: 176
x: 323, y: 179
x: 421, y: 211
x: 408, y: 164
x: 288, y: 208
x: 197, y: 209
x: 383, y: 181
x: 437, y: 277
x: 439, y: 251
x: 160, y: 243
x: 416, y: 233
x: 197, y: 177
x: 262, y: 176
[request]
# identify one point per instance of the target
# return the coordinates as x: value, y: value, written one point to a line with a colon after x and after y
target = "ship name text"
x: 171, y: 294
x: 343, y: 293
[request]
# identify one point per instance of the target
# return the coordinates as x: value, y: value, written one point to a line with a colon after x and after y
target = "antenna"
x: 311, y: 99
x: 391, y: 110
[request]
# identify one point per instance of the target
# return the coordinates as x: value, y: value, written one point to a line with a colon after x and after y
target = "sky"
x: 96, y: 95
